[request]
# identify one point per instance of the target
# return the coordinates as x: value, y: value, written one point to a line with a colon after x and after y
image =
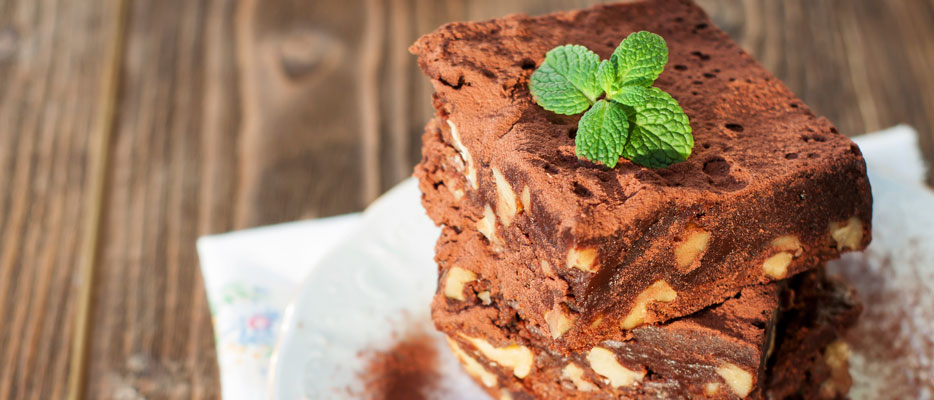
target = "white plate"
x: 382, y: 278
x: 374, y: 287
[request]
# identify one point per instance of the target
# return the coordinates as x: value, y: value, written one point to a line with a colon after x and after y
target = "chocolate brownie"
x: 769, y: 191
x: 732, y: 350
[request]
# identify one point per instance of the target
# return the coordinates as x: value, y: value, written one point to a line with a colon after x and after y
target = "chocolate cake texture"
x: 770, y: 190
x: 778, y: 340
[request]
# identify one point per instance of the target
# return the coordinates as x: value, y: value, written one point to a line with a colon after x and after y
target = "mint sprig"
x: 625, y: 116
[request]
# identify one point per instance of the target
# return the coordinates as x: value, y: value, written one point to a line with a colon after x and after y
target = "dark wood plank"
x: 152, y: 334
x: 310, y: 133
x: 54, y: 59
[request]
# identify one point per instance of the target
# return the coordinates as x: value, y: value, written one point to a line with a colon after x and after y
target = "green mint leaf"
x: 634, y: 120
x: 631, y: 96
x: 566, y: 83
x: 606, y: 77
x: 640, y: 58
x: 660, y: 133
x: 602, y: 133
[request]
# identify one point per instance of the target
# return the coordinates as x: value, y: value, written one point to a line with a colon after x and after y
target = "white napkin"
x: 251, y: 275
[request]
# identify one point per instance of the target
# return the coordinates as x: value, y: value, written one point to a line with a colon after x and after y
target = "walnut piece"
x: 691, y: 249
x: 659, y: 291
x: 547, y: 270
x: 507, y: 204
x: 575, y: 374
x: 484, y: 297
x: 711, y: 389
x: 604, y: 363
x: 837, y: 357
x: 596, y: 322
x: 487, y: 226
x: 454, y: 282
x: 847, y: 234
x: 472, y: 366
x: 582, y: 258
x: 558, y: 321
x: 787, y: 243
x: 776, y: 266
x: 738, y: 379
x: 518, y: 358
x: 525, y: 201
x: 471, y: 173
x: 457, y: 193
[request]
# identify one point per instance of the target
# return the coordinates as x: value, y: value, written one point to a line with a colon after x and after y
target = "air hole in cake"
x: 706, y: 146
x: 701, y: 56
x: 793, y: 105
x: 813, y: 138
x: 679, y: 20
x: 718, y: 171
x: 528, y: 64
x: 650, y: 375
x: 716, y: 70
x: 550, y: 168
x: 680, y: 67
x: 459, y: 84
x: 694, y: 93
x: 581, y: 191
x: 698, y: 82
x: 734, y: 127
x: 833, y: 130
x: 732, y: 79
x: 700, y: 26
x: 717, y: 166
x: 708, y: 75
x: 572, y: 132
x: 791, y: 156
x: 813, y: 155
x: 759, y: 324
x: 855, y: 149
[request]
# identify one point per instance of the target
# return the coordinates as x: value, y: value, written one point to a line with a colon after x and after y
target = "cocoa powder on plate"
x: 407, y: 370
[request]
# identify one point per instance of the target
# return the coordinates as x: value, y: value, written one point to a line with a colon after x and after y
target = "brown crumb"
x: 408, y: 370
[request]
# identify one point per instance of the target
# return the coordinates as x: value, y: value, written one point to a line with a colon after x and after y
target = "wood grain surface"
x: 54, y: 63
x: 226, y: 114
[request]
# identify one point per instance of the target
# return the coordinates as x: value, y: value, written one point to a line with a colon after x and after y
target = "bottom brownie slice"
x: 771, y: 341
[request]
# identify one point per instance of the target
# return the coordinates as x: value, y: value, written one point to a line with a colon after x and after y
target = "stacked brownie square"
x: 561, y: 278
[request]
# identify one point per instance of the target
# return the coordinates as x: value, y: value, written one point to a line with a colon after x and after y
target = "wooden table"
x: 129, y: 128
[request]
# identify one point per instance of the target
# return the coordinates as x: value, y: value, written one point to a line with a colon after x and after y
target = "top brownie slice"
x: 770, y: 189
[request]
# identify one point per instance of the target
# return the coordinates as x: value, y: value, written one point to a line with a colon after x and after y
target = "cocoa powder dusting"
x: 893, y: 342
x: 407, y: 370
